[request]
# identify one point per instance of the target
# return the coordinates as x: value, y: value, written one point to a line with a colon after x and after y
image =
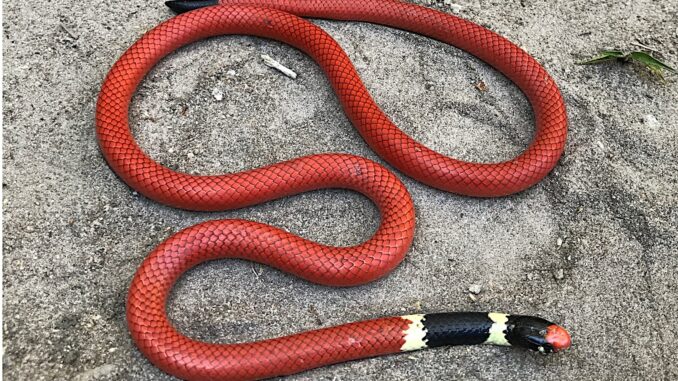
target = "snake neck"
x: 458, y: 328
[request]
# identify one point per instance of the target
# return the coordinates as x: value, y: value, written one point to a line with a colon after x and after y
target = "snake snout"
x: 558, y: 337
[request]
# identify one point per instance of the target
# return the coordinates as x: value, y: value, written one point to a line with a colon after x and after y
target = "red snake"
x: 336, y: 266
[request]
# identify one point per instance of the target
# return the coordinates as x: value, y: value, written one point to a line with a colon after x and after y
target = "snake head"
x: 536, y: 334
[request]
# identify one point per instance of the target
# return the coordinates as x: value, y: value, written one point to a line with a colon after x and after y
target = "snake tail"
x: 181, y: 6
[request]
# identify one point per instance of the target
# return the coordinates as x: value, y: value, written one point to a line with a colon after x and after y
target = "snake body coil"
x: 274, y: 19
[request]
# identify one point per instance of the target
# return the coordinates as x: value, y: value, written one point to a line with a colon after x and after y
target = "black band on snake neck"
x: 462, y: 328
x: 469, y: 328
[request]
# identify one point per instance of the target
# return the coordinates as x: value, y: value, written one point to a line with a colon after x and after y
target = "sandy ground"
x: 593, y: 246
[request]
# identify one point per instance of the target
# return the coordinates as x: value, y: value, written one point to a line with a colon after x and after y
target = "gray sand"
x: 593, y: 246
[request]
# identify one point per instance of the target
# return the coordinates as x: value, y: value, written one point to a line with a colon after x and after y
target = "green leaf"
x: 655, y: 66
x: 604, y: 56
x: 650, y: 62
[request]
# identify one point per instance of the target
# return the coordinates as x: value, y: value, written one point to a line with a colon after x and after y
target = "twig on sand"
x: 68, y: 32
x: 649, y: 48
x: 277, y: 65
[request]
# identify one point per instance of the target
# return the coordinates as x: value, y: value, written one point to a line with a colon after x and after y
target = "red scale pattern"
x: 148, y: 323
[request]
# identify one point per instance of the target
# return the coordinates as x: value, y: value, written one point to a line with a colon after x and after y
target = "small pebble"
x: 559, y: 274
x: 559, y: 242
x: 456, y: 8
x: 475, y: 289
x: 100, y: 372
x: 650, y: 121
x: 231, y: 72
x: 218, y: 94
